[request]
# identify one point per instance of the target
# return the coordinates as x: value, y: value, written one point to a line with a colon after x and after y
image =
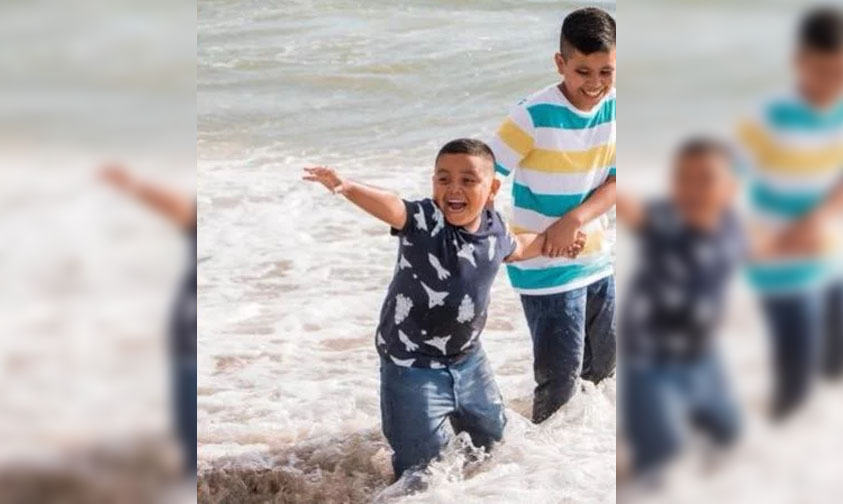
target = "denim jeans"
x: 184, y: 408
x: 833, y: 340
x: 417, y: 402
x: 807, y: 335
x: 573, y: 335
x: 795, y: 325
x: 662, y: 401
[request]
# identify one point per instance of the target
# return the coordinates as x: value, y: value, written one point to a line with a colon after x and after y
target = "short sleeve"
x: 421, y: 216
x: 504, y: 239
x: 660, y: 219
x: 513, y: 140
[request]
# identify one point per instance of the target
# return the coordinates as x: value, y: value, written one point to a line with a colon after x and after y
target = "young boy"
x: 433, y: 368
x: 793, y: 163
x: 690, y: 245
x: 560, y: 145
x: 180, y: 211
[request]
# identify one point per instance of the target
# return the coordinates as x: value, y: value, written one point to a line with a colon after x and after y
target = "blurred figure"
x: 793, y: 157
x: 690, y: 245
x: 180, y: 210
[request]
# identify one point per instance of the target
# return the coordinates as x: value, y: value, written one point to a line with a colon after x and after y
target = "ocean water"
x: 291, y: 278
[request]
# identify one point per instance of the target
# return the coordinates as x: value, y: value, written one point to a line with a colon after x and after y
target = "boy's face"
x: 703, y: 187
x: 587, y: 78
x: 462, y: 186
x: 820, y: 75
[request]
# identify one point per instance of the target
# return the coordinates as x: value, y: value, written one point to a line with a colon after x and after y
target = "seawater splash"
x: 568, y: 458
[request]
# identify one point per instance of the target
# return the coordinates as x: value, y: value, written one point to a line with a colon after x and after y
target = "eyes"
x: 463, y: 180
x: 606, y: 72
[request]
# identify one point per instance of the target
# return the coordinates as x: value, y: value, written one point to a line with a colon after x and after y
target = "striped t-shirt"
x: 793, y: 158
x: 558, y: 155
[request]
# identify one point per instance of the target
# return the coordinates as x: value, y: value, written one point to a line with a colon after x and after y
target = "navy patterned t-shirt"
x: 435, y: 307
x: 679, y: 290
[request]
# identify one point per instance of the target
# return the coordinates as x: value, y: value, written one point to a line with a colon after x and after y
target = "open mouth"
x: 455, y: 205
x: 593, y: 94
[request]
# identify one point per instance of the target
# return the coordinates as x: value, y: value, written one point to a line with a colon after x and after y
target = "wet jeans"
x: 661, y: 402
x: 184, y: 408
x: 573, y: 335
x: 416, y: 403
x: 806, y: 329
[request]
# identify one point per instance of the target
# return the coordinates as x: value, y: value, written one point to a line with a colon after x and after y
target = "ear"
x: 560, y: 63
x: 496, y: 185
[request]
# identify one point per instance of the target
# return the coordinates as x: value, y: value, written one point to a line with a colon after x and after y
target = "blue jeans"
x: 833, y: 341
x: 416, y: 403
x: 661, y: 401
x: 573, y: 335
x: 795, y: 325
x: 183, y: 403
x: 807, y: 336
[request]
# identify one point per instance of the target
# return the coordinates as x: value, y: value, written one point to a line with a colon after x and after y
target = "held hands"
x: 328, y: 177
x: 802, y: 237
x: 564, y: 238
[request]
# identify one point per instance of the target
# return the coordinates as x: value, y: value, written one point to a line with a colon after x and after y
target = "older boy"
x: 560, y: 145
x: 794, y: 163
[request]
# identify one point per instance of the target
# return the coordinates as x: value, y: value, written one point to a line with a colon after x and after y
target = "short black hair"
x: 588, y: 30
x: 702, y: 146
x: 821, y: 29
x: 468, y: 146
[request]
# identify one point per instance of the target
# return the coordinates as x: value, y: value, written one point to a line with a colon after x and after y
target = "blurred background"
x: 88, y: 275
x: 689, y: 67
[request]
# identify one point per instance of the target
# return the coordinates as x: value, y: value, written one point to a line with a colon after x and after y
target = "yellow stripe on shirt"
x: 515, y: 137
x: 552, y: 161
x: 772, y: 156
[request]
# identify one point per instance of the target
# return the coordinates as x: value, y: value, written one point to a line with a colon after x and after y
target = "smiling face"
x: 820, y: 76
x: 587, y: 78
x: 463, y: 185
x: 703, y: 187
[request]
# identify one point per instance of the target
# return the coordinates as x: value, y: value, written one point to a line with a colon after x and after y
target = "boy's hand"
x: 560, y: 236
x: 574, y: 250
x: 804, y: 236
x: 116, y: 175
x: 327, y: 177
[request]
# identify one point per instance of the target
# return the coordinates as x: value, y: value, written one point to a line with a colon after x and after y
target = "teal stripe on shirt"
x: 802, y: 274
x: 556, y: 276
x: 613, y: 172
x: 553, y: 205
x: 548, y: 115
x: 798, y: 116
x: 784, y: 204
x: 501, y: 169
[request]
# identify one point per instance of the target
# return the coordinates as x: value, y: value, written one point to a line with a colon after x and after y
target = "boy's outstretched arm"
x: 176, y: 207
x: 377, y: 202
x: 563, y: 233
x: 630, y: 211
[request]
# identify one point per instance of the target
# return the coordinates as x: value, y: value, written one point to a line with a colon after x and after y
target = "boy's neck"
x: 705, y: 223
x: 474, y: 225
x: 821, y: 104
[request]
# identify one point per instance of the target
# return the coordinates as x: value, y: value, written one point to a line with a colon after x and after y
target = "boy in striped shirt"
x: 559, y: 145
x: 794, y: 166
